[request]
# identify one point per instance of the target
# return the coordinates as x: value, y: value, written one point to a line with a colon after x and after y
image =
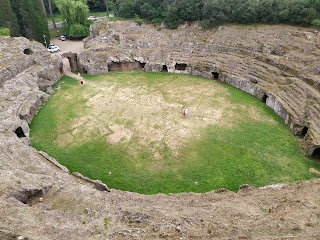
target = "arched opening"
x: 72, y: 64
x: 215, y: 75
x: 264, y: 98
x: 19, y: 132
x: 142, y: 65
x: 164, y: 68
x: 180, y: 66
x: 114, y: 66
x: 84, y: 71
x: 316, y: 154
x: 27, y: 51
x: 304, y: 131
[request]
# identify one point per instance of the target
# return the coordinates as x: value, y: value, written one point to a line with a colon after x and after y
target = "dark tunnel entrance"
x: 215, y: 75
x: 264, y: 98
x: 19, y: 132
x: 316, y: 154
x: 180, y: 66
x: 164, y: 68
x: 142, y: 65
x: 304, y: 131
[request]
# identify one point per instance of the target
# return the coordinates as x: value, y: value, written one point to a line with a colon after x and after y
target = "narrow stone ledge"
x: 54, y: 162
x: 97, y: 183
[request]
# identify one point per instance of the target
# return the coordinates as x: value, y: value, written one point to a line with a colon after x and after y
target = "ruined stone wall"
x: 277, y: 64
x: 40, y: 199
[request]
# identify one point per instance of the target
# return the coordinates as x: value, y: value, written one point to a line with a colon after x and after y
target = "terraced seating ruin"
x: 40, y: 198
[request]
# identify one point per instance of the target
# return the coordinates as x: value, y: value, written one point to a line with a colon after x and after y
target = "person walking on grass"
x: 185, y: 112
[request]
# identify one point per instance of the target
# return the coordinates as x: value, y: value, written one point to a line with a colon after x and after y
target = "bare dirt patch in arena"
x: 149, y: 117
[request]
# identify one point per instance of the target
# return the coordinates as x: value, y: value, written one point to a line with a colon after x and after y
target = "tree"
x: 107, y: 8
x: 212, y: 12
x: 31, y: 19
x: 8, y: 19
x: 51, y: 14
x: 74, y: 13
x: 44, y: 8
x: 172, y: 17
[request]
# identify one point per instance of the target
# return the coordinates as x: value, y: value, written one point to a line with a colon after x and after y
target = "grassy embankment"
x: 257, y: 151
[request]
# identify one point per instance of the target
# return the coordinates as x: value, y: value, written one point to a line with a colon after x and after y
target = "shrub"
x: 4, y: 32
x: 138, y: 20
x: 316, y: 22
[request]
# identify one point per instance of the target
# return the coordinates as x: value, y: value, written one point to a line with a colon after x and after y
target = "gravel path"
x: 68, y: 45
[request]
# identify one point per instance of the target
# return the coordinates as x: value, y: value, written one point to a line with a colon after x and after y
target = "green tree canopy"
x: 212, y: 12
x: 74, y: 13
x: 8, y: 18
x: 31, y: 19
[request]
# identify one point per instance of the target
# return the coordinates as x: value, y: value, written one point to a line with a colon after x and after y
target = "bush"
x: 316, y: 22
x: 157, y: 20
x: 4, y: 32
x: 138, y: 20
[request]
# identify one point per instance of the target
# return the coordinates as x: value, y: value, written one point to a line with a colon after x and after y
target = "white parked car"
x: 53, y: 49
x: 93, y: 18
x: 62, y: 38
x: 51, y: 44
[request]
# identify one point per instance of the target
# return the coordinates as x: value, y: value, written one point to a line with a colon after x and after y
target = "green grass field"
x: 229, y: 139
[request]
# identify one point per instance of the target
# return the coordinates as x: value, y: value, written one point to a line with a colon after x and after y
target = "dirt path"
x: 67, y: 71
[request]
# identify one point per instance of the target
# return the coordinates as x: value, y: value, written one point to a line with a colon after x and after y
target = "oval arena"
x: 40, y: 199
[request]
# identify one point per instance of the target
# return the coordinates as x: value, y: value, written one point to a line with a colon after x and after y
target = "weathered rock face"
x: 40, y: 199
x: 277, y: 64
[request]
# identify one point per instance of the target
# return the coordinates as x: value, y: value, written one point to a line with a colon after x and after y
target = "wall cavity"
x: 215, y: 75
x: 316, y: 154
x: 19, y: 132
x: 304, y: 131
x: 28, y: 51
x: 164, y: 68
x: 180, y: 66
x: 264, y: 98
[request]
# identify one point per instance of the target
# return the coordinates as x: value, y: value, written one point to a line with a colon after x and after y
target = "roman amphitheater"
x: 40, y: 199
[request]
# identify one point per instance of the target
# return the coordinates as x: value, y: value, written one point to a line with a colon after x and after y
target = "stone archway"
x: 66, y: 65
x: 72, y: 61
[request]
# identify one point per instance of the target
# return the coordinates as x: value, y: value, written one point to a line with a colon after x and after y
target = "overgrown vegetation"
x: 74, y: 13
x: 26, y: 18
x: 4, y: 32
x: 213, y: 12
x: 253, y: 150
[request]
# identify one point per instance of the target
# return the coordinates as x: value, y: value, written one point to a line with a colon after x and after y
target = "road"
x: 59, y: 25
